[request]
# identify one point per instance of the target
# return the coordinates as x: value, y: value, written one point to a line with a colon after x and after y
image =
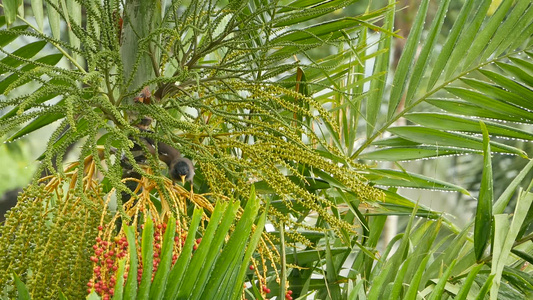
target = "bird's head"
x: 182, y: 170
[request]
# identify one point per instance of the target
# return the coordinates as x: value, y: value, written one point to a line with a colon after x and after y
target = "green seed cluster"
x: 262, y: 144
x: 46, y: 241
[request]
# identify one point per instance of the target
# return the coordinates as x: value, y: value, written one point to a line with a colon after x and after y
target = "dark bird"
x: 179, y: 167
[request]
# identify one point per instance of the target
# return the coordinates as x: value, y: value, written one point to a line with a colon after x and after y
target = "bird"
x: 179, y: 167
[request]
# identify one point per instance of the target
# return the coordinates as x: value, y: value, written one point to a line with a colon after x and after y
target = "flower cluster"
x: 109, y: 251
x: 105, y: 261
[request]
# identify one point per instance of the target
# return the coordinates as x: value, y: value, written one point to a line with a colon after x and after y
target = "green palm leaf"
x: 494, y: 95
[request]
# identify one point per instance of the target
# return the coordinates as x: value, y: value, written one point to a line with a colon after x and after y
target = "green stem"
x: 153, y: 59
x: 108, y: 86
x: 283, y: 275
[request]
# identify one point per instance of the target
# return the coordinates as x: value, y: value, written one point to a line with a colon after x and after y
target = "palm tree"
x: 237, y: 87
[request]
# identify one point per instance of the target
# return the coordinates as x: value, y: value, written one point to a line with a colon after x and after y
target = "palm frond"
x: 480, y: 71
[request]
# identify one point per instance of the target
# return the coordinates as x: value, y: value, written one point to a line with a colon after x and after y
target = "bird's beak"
x: 182, y: 179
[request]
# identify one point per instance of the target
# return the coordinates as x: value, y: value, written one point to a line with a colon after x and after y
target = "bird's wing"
x: 167, y: 153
